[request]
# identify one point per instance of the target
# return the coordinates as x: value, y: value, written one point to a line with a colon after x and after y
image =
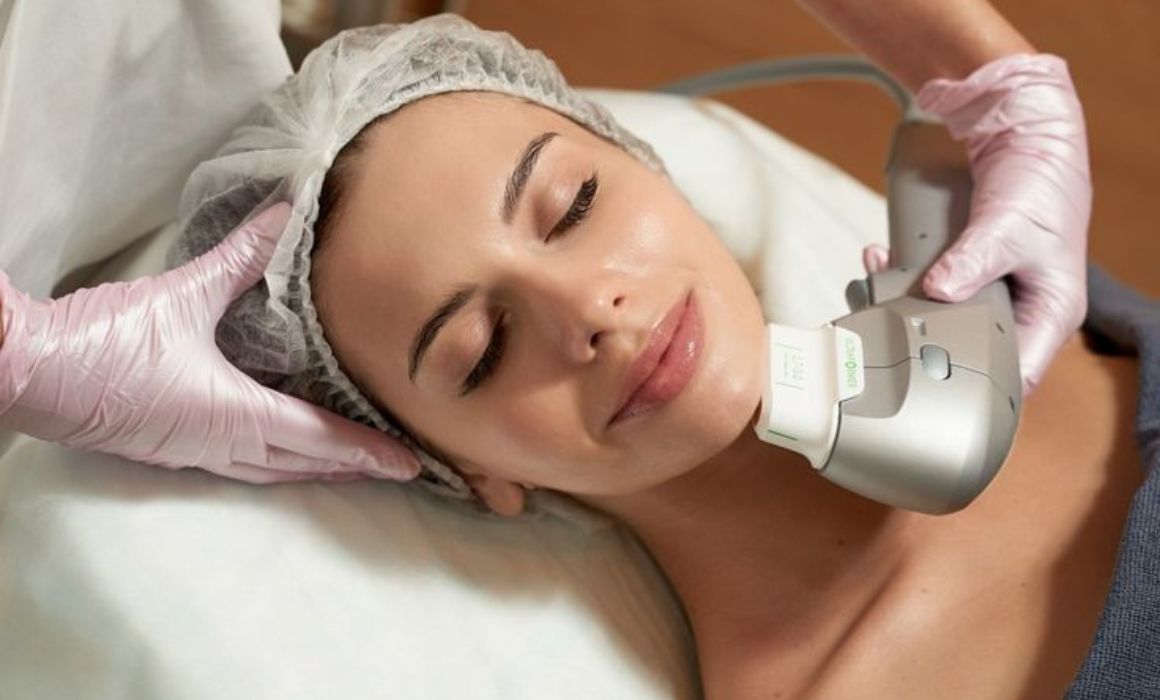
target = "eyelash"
x: 581, y: 206
x: 490, y: 358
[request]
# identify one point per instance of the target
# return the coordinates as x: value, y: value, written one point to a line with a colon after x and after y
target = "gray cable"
x: 788, y: 70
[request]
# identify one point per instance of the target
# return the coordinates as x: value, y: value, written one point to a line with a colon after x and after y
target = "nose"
x: 580, y: 309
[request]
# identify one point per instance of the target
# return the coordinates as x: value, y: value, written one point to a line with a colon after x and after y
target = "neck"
x: 762, y: 551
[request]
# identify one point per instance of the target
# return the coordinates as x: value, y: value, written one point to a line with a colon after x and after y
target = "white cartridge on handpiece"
x: 807, y: 373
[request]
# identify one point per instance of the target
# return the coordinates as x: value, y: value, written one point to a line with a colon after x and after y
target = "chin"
x: 707, y: 418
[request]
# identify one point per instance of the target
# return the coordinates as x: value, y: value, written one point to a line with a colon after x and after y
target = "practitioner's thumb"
x: 973, y: 262
x: 875, y: 258
x: 240, y: 260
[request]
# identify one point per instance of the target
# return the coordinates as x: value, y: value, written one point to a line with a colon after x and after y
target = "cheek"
x: 660, y: 230
x: 536, y: 434
x: 523, y: 429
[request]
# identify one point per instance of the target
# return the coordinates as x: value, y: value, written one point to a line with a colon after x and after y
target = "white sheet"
x: 105, y: 108
x: 124, y: 581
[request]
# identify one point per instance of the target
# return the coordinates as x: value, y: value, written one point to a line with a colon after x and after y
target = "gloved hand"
x: 131, y: 368
x: 1026, y: 141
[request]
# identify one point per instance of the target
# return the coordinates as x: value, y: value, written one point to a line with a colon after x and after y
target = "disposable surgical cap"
x: 272, y: 332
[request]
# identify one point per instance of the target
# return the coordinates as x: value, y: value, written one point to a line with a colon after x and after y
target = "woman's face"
x: 501, y: 322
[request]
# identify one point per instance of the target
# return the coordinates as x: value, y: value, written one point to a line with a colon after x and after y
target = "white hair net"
x: 284, y: 150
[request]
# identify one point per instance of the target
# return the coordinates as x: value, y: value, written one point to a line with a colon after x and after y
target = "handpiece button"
x: 935, y: 361
x: 858, y: 295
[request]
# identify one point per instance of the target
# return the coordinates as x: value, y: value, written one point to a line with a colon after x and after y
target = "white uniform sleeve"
x: 105, y: 109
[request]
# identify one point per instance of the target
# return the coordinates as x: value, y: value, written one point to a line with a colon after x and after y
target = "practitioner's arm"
x: 919, y: 40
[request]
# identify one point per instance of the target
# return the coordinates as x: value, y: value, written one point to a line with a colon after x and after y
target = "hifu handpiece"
x: 908, y: 401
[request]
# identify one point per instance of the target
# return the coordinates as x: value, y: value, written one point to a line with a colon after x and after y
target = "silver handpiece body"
x: 942, y: 394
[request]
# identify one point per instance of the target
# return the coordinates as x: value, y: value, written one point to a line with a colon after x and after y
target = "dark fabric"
x: 1124, y: 660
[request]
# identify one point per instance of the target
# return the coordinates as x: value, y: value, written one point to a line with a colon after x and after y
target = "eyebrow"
x: 461, y: 295
x: 522, y: 172
x: 451, y: 304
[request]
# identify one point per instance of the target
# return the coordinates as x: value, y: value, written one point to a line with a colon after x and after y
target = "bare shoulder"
x: 1003, y: 598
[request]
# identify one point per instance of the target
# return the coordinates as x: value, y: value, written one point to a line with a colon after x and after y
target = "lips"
x: 665, y: 366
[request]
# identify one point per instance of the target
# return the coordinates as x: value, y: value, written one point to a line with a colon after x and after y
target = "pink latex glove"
x: 1026, y: 141
x: 131, y: 368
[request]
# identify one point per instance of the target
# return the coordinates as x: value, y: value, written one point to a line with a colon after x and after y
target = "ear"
x: 504, y: 497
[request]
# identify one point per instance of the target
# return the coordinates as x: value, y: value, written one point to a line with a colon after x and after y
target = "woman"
x: 791, y: 584
x: 584, y: 253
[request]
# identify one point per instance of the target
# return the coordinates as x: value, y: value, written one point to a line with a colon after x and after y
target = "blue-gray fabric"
x: 1124, y: 659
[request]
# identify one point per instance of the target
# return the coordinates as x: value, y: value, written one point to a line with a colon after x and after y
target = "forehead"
x: 457, y: 143
x: 455, y: 135
x: 430, y: 180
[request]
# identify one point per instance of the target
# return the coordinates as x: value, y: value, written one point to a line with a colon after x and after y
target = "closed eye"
x: 488, y: 361
x: 581, y: 205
